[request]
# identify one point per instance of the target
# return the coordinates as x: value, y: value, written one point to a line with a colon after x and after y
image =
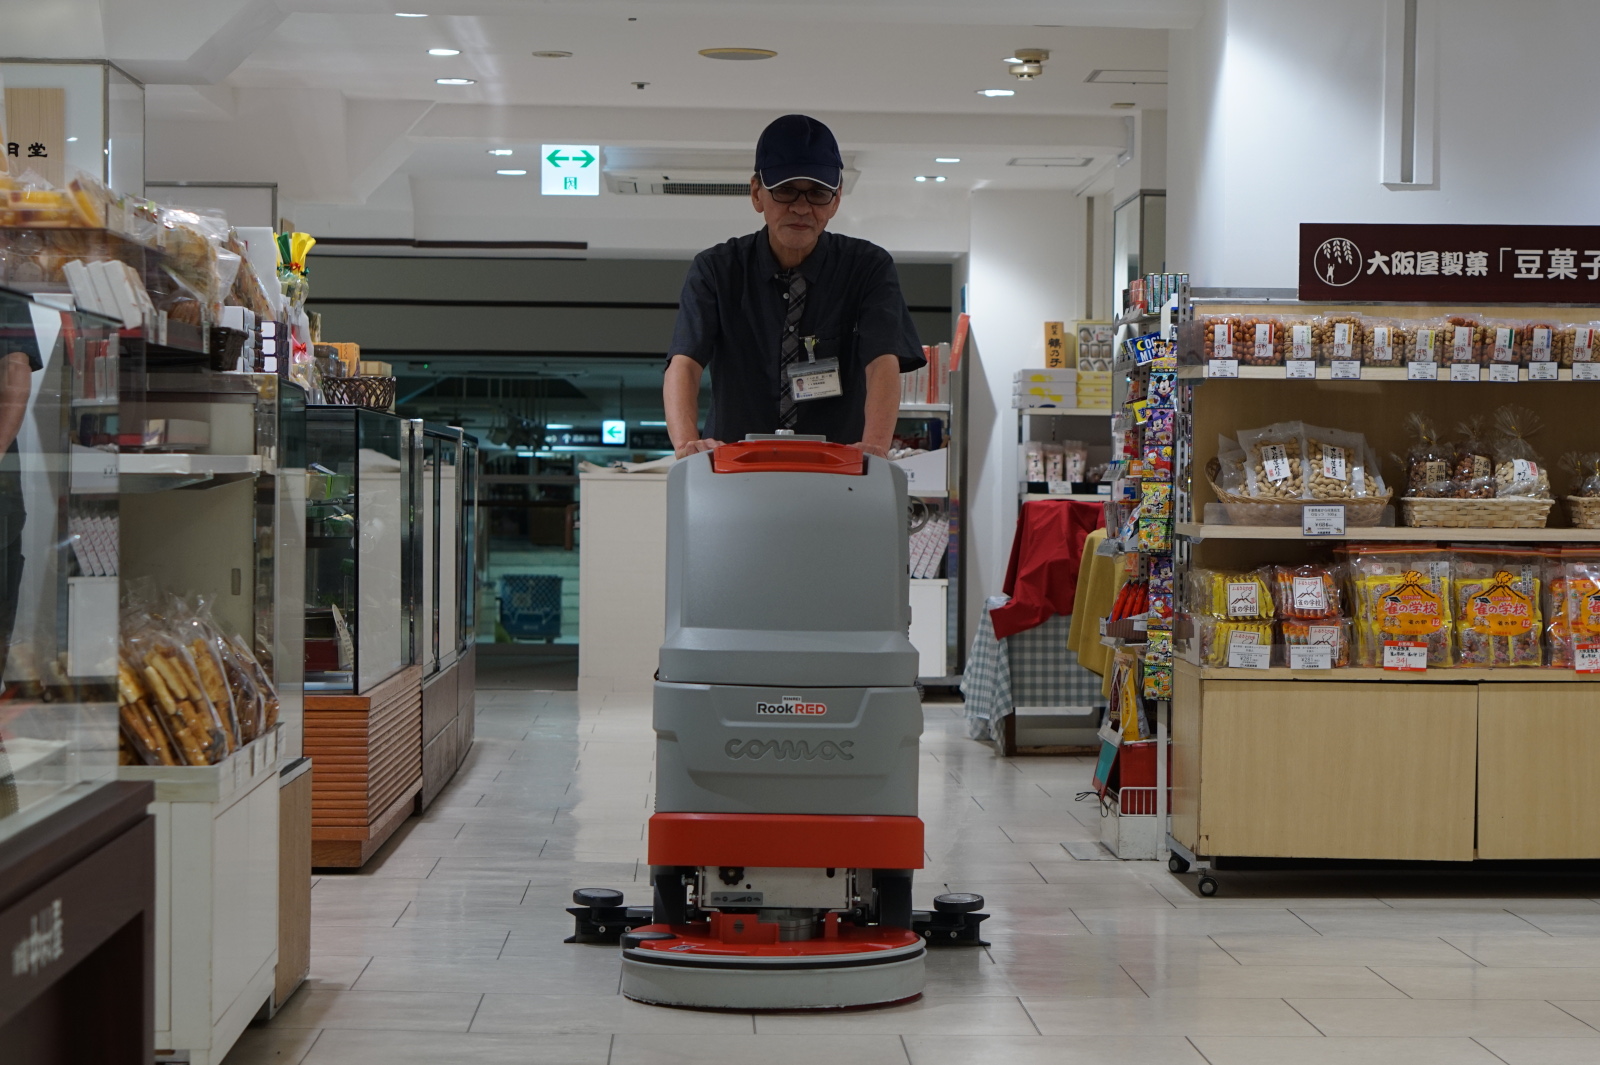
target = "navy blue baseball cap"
x: 798, y: 146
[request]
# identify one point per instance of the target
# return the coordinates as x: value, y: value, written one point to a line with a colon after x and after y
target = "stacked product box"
x: 1044, y: 387
x: 1094, y: 390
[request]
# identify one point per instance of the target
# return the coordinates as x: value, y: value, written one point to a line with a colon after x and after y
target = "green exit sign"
x: 569, y: 169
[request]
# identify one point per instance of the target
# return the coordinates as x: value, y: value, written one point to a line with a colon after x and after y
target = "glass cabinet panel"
x: 58, y: 557
x: 356, y: 621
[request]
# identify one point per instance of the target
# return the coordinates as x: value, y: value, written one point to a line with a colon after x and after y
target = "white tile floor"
x: 447, y: 948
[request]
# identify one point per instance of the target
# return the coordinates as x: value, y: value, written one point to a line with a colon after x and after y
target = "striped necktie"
x: 789, y: 346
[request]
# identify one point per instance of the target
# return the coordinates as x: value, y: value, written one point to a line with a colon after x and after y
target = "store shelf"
x: 186, y: 465
x: 1198, y: 532
x: 930, y: 493
x: 932, y: 408
x: 1076, y: 497
x: 1064, y: 412
x: 1368, y: 373
x: 1524, y: 675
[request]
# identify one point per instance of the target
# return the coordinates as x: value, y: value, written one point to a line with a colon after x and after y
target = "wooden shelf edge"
x: 1367, y: 675
x: 1197, y: 531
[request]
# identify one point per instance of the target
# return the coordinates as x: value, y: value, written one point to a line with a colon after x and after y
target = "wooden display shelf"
x: 1197, y: 532
x: 367, y: 749
x: 1459, y: 675
x: 1368, y: 373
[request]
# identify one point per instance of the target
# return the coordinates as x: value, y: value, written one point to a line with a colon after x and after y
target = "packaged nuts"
x: 1259, y: 340
x: 1538, y: 342
x: 1339, y: 338
x: 1465, y: 340
x: 1577, y: 343
x: 1387, y: 343
x: 1506, y: 342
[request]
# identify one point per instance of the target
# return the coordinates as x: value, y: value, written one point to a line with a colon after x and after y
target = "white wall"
x: 1024, y: 268
x: 1277, y: 119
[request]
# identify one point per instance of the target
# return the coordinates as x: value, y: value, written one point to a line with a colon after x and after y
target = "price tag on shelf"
x: 1405, y: 656
x: 1466, y: 371
x: 1586, y: 657
x: 1249, y: 656
x: 1322, y: 521
x: 1504, y: 373
x: 1222, y: 368
x: 1345, y: 370
x: 1311, y: 657
x: 1300, y: 369
x: 1422, y: 371
x: 1543, y: 371
x: 1586, y: 371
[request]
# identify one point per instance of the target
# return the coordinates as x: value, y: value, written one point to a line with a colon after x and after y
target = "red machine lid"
x: 788, y: 456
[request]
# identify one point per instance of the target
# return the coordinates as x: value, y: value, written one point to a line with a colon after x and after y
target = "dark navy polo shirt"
x: 731, y: 318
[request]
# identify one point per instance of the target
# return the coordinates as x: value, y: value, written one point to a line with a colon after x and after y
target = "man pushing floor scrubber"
x: 786, y: 713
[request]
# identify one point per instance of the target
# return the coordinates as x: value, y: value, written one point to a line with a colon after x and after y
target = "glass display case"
x: 441, y: 528
x: 357, y: 627
x: 472, y: 554
x: 58, y: 558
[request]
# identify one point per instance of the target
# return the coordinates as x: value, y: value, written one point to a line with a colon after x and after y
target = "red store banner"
x: 1449, y: 264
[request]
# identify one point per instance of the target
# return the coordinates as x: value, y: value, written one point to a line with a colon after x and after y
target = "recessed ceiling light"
x: 409, y: 14
x: 997, y: 92
x: 947, y: 159
x: 500, y: 151
x: 71, y: 139
x: 1125, y: 104
x: 939, y: 178
x: 511, y: 173
x: 922, y: 177
x: 552, y: 54
x: 737, y: 53
x: 454, y: 81
x: 930, y: 177
x: 444, y: 51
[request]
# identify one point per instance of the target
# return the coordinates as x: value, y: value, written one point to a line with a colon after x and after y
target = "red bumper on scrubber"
x: 787, y: 841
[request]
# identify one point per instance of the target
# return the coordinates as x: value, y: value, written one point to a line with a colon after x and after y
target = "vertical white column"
x: 1024, y: 268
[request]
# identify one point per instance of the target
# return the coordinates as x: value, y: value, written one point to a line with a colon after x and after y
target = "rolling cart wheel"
x: 1208, y: 886
x: 958, y: 902
x: 1177, y: 864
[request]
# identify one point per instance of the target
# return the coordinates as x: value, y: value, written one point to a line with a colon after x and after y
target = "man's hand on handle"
x: 694, y: 447
x: 871, y: 449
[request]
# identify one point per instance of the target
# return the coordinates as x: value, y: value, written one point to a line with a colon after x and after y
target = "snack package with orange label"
x: 1498, y: 620
x: 1572, y: 604
x: 1399, y: 592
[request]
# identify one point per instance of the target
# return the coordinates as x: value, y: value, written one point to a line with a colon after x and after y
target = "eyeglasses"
x: 816, y: 197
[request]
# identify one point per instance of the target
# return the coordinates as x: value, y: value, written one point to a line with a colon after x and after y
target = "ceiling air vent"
x: 705, y: 188
x: 680, y: 172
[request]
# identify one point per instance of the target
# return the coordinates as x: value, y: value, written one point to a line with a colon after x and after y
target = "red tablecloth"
x: 1043, y: 575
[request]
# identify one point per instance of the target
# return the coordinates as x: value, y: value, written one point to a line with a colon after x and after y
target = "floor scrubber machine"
x: 787, y: 721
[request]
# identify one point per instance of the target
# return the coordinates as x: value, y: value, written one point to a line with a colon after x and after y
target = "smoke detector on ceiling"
x: 1027, y: 63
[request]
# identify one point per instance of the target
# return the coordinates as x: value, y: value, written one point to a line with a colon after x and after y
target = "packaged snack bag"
x: 1472, y: 465
x: 1305, y: 592
x: 1497, y: 607
x: 1331, y: 632
x: 1518, y: 471
x: 1399, y: 592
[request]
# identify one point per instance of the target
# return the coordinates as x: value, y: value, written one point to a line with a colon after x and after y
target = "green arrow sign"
x: 583, y: 160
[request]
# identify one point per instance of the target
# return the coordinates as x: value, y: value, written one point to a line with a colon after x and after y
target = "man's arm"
x: 680, y: 394
x: 883, y: 405
x: 15, y: 384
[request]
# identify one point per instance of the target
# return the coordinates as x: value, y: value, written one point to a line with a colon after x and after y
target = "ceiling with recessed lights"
x: 384, y: 126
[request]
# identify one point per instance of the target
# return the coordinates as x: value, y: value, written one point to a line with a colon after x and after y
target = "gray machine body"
x: 732, y: 749
x: 786, y: 679
x: 788, y: 579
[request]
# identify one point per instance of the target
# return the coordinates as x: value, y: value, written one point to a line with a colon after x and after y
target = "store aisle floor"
x: 447, y: 948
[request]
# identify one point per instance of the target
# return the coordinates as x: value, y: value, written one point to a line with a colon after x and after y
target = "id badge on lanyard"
x: 815, y: 378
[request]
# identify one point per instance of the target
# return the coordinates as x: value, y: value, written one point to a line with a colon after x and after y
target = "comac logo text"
x: 790, y: 750
x: 792, y: 705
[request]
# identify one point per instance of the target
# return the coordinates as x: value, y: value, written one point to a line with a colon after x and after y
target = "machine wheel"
x: 1208, y: 886
x: 1177, y: 864
x: 958, y: 902
x: 599, y: 898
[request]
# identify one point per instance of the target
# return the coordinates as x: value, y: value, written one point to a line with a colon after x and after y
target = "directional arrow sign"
x: 569, y: 169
